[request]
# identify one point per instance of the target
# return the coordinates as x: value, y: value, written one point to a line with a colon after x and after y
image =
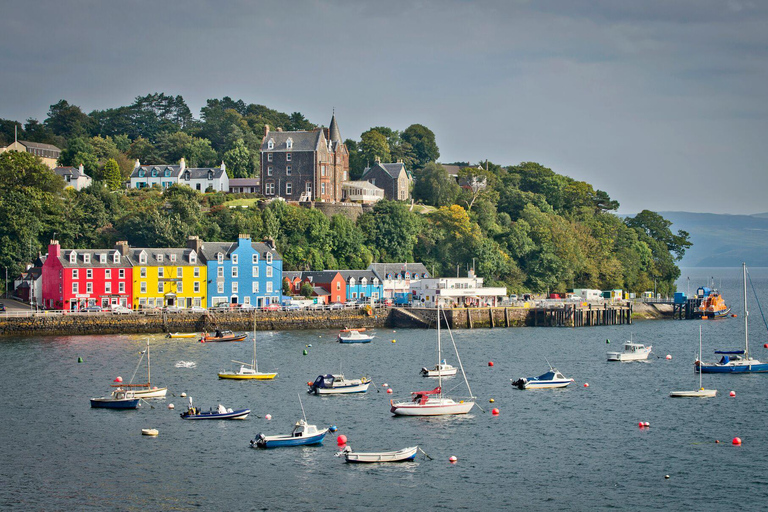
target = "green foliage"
x: 239, y: 161
x: 373, y: 147
x: 433, y: 186
x: 306, y: 290
x: 112, y: 176
x: 422, y: 143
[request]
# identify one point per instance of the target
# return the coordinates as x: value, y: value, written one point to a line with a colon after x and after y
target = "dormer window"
x: 102, y: 258
x: 210, y: 175
x: 154, y: 173
x: 269, y: 257
x: 351, y: 281
x: 167, y: 173
x: 186, y: 175
x: 115, y: 257
x: 86, y: 258
x: 159, y: 257
x: 193, y: 257
x: 220, y: 258
x: 73, y: 257
x: 363, y: 281
x: 271, y: 144
x: 289, y: 145
x: 141, y: 173
x: 173, y: 257
x: 375, y: 281
x: 143, y: 257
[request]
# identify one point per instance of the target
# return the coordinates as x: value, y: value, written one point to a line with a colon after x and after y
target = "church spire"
x: 333, y: 131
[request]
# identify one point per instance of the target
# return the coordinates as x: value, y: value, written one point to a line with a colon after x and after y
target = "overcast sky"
x: 663, y: 104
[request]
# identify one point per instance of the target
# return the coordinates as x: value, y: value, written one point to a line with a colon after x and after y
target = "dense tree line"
x: 524, y: 226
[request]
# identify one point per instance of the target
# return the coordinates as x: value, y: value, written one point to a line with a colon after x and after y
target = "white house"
x: 74, y: 177
x: 459, y: 291
x: 164, y: 176
x: 397, y: 278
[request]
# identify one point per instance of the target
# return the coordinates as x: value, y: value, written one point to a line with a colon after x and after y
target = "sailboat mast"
x: 255, y: 368
x: 746, y: 313
x: 439, y: 354
x: 149, y: 366
x: 700, y: 372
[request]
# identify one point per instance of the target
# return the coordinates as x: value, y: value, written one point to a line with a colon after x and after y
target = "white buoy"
x: 268, y: 417
x: 669, y: 356
x: 170, y: 406
x: 183, y: 395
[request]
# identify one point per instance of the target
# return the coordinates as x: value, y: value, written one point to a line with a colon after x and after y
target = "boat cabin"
x: 302, y: 429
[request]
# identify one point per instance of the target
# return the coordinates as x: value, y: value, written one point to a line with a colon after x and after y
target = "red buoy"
x: 641, y: 424
x: 341, y: 440
x: 765, y: 345
x: 586, y: 384
x: 736, y: 441
x: 453, y: 459
x: 732, y: 393
x: 495, y: 411
x: 119, y: 379
x: 490, y: 363
x: 389, y: 391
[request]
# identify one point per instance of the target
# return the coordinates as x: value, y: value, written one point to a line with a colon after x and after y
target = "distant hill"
x: 723, y: 240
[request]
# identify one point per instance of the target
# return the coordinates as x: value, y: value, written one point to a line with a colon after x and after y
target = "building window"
x: 107, y: 287
x: 269, y: 258
x: 179, y: 287
x: 220, y: 272
x: 121, y: 287
x: 288, y: 157
x: 338, y: 285
x: 254, y: 271
x: 121, y: 273
x: 220, y: 258
x: 322, y: 189
x: 269, y: 286
x: 161, y: 272
x: 269, y: 271
x: 143, y: 257
x: 271, y: 144
x: 116, y: 257
x: 234, y: 259
x: 234, y: 287
x: 86, y: 258
x: 220, y: 288
x: 269, y: 189
x: 108, y: 274
x: 323, y: 171
x: 141, y: 173
x: 75, y: 288
x: 75, y: 273
x: 197, y: 287
x: 288, y: 170
x: 255, y: 259
x: 308, y: 187
x: 196, y: 272
x: 160, y: 287
x: 143, y: 288
x: 173, y: 257
x: 289, y: 145
x: 288, y: 189
x: 234, y: 271
x: 255, y: 287
x: 179, y: 272
x: 102, y: 258
x: 269, y: 157
x: 269, y: 170
x: 89, y: 273
x: 159, y: 257
x: 193, y: 257
x: 72, y: 257
x: 143, y: 272
x: 89, y: 287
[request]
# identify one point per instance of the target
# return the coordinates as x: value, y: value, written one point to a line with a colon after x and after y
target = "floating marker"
x: 170, y: 406
x: 765, y: 345
x: 309, y: 383
x: 394, y: 341
x: 490, y: 363
x: 385, y: 385
x: 79, y: 359
x: 732, y: 393
x: 717, y: 441
x: 669, y: 356
x: 268, y: 417
x: 607, y: 341
x: 310, y: 345
x: 586, y: 384
x: 341, y: 440
x: 495, y: 411
x: 389, y: 391
x: 305, y: 351
x: 333, y: 428
x: 118, y: 379
x: 646, y: 424
x: 736, y: 441
x: 453, y: 459
x: 183, y: 395
x: 491, y: 400
x: 666, y: 477
x: 641, y: 425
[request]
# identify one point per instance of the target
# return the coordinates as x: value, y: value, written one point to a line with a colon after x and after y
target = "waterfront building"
x: 328, y: 286
x: 396, y: 279
x: 362, y: 285
x: 304, y: 165
x: 244, y: 186
x: 164, y: 176
x: 243, y: 272
x: 76, y: 278
x: 168, y: 277
x: 361, y: 191
x: 456, y: 291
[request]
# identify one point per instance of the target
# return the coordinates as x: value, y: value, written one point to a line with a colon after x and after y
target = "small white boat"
x: 353, y: 336
x: 406, y: 454
x: 632, y: 352
x: 698, y: 393
x: 337, y: 385
x: 153, y: 432
x: 440, y: 370
x: 552, y: 379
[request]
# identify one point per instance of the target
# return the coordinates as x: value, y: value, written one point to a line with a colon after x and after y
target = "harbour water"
x: 577, y: 448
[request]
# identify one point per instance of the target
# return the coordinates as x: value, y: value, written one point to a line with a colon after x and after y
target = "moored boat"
x: 145, y: 390
x: 248, y: 371
x: 551, y: 379
x: 119, y: 399
x: 303, y: 434
x: 631, y: 352
x: 354, y: 336
x: 221, y: 413
x: 698, y: 393
x: 181, y: 335
x: 337, y: 384
x: 404, y: 455
x: 223, y: 336
x: 440, y: 370
x: 713, y: 306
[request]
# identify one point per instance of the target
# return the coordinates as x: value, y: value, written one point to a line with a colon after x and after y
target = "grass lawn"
x: 242, y: 202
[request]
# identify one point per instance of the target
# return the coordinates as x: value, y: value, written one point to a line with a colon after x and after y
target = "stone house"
x: 393, y: 178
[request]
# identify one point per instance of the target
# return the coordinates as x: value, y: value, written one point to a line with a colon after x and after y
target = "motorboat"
x: 442, y: 369
x: 632, y: 352
x: 735, y: 361
x: 697, y: 393
x: 302, y: 434
x: 354, y: 336
x: 432, y: 402
x: 337, y: 384
x: 220, y: 413
x: 713, y: 306
x: 119, y: 399
x: 404, y: 455
x: 145, y: 390
x: 223, y: 336
x: 551, y: 379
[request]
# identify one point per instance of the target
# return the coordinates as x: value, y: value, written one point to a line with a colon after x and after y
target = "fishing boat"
x: 735, y: 361
x: 442, y: 369
x: 223, y: 336
x: 354, y: 336
x: 119, y: 399
x: 551, y: 379
x: 303, y: 434
x: 220, y: 413
x: 145, y: 390
x: 337, y: 384
x: 181, y: 335
x: 632, y: 352
x: 249, y: 371
x: 404, y: 455
x: 713, y: 306
x: 698, y: 393
x: 433, y: 403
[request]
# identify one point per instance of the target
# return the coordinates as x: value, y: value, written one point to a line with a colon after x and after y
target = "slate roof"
x: 39, y: 145
x: 72, y: 171
x: 302, y: 140
x: 95, y: 263
x: 175, y: 170
x: 201, y: 173
x: 391, y: 169
x: 182, y: 257
x: 292, y: 274
x: 357, y: 274
x: 243, y: 182
x: 382, y: 269
x: 319, y: 276
x: 209, y: 250
x: 366, y: 185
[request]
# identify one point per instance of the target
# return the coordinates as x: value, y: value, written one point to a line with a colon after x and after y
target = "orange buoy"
x: 490, y: 363
x: 736, y: 441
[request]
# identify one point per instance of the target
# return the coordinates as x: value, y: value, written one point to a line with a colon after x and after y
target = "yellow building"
x: 168, y: 278
x: 48, y: 153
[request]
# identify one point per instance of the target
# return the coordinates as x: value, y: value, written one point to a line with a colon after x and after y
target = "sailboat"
x: 699, y: 393
x: 735, y: 361
x: 249, y: 370
x: 143, y: 390
x: 433, y: 403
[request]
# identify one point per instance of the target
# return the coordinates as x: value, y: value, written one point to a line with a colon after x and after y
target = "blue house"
x: 243, y: 272
x: 362, y: 285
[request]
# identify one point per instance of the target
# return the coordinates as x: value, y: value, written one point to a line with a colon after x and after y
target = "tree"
x: 238, y: 161
x: 657, y: 227
x: 144, y: 151
x: 391, y: 230
x: 373, y: 147
x: 475, y: 182
x: 68, y: 120
x: 422, y: 141
x: 112, y: 175
x: 433, y: 186
x: 287, y: 288
x: 306, y: 289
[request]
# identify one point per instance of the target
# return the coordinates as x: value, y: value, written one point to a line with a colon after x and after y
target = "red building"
x: 330, y: 281
x: 77, y: 278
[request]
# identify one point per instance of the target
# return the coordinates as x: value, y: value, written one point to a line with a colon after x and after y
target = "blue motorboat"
x: 551, y: 379
x: 735, y: 361
x: 337, y: 384
x: 221, y: 413
x: 303, y: 434
x: 119, y: 399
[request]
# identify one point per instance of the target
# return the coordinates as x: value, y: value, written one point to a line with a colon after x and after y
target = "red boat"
x: 223, y: 336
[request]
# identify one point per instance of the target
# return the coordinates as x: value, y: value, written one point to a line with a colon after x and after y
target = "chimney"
x: 377, y: 159
x: 81, y: 169
x: 266, y: 130
x: 223, y: 167
x: 54, y: 249
x: 136, y: 165
x: 243, y: 238
x: 122, y: 247
x: 279, y: 129
x: 194, y: 243
x: 270, y: 242
x: 182, y: 164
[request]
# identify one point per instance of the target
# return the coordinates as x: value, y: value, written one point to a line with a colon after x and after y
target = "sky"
x: 662, y: 104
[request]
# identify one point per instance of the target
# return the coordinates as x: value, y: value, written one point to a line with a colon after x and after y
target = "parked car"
x: 197, y: 309
x: 352, y: 304
x: 247, y: 307
x: 118, y: 309
x: 91, y: 309
x: 292, y: 307
x: 319, y: 305
x: 271, y: 307
x: 2, y: 307
x: 172, y: 309
x: 336, y: 305
x: 221, y: 306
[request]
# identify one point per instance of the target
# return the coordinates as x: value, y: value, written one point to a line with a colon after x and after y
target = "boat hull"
x: 549, y: 384
x: 150, y: 393
x: 714, y: 314
x: 240, y: 414
x: 404, y: 455
x: 364, y: 339
x: 439, y: 373
x: 757, y: 367
x: 285, y: 441
x: 699, y: 393
x: 223, y: 339
x: 182, y: 335
x: 108, y: 403
x: 634, y: 356
x: 442, y: 407
x: 238, y: 376
x: 342, y: 390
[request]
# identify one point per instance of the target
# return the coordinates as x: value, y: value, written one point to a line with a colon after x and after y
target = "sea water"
x: 577, y: 448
